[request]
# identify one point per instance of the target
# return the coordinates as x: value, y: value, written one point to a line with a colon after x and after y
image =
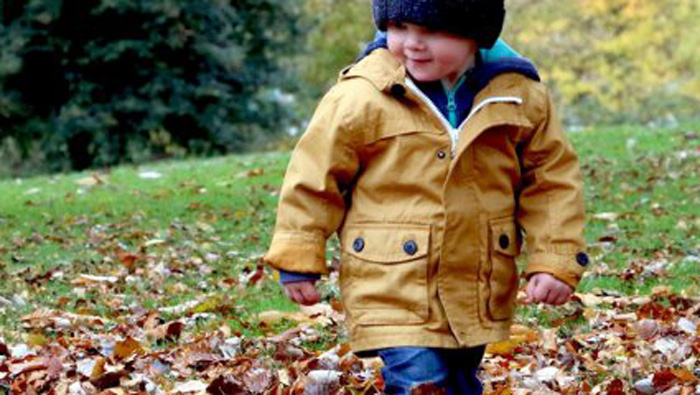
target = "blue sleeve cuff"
x: 290, y: 277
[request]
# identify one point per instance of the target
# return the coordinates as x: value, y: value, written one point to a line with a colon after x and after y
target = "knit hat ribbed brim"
x: 481, y: 20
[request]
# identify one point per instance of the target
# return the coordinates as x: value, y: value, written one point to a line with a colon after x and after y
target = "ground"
x: 149, y: 279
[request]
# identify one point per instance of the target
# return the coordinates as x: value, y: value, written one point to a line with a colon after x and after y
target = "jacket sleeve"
x: 312, y: 205
x: 551, y: 209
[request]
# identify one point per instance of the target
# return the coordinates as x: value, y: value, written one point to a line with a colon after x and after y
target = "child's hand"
x: 545, y: 288
x: 303, y: 292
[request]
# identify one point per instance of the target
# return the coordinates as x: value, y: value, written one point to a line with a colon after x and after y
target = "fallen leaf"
x: 87, y: 279
x: 126, y: 348
x: 191, y: 386
x: 225, y: 385
x: 94, y: 179
x: 606, y: 216
x: 251, y: 173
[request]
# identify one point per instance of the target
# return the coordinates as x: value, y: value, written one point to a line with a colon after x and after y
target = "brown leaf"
x: 126, y: 348
x: 129, y: 260
x: 4, y: 351
x: 647, y: 328
x: 55, y: 367
x: 664, y: 380
x: 616, y: 387
x: 108, y: 380
x: 251, y: 173
x: 170, y: 331
x: 257, y: 380
x: 94, y: 179
x: 225, y: 385
x: 26, y: 367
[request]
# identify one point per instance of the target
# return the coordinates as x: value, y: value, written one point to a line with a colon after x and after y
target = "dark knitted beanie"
x: 481, y: 20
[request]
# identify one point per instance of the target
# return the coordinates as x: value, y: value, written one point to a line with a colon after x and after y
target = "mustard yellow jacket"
x: 430, y: 217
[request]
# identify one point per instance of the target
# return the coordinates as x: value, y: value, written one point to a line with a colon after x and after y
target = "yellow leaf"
x: 501, y: 348
x: 523, y: 334
x: 37, y: 340
x: 126, y: 348
x: 99, y: 368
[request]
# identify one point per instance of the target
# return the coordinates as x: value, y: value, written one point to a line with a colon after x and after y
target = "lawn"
x: 160, y: 258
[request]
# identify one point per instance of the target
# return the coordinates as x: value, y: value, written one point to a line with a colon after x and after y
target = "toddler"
x: 432, y: 162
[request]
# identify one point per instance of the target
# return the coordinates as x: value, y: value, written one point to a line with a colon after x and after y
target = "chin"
x: 424, y: 78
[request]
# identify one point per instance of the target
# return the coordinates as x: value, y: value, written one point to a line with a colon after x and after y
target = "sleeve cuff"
x: 290, y: 277
x: 568, y: 268
x: 298, y: 253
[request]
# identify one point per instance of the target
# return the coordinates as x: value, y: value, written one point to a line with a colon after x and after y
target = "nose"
x: 414, y: 41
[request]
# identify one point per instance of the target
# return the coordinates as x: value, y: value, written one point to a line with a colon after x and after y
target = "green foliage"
x: 613, y: 60
x: 110, y: 81
x: 338, y: 32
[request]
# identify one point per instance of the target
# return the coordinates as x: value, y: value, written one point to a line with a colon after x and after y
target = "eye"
x: 397, y: 25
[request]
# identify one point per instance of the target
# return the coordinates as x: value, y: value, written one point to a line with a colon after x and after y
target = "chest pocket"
x: 384, y: 273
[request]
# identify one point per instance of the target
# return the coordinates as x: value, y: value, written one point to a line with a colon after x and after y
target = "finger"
x: 310, y: 295
x: 555, y: 297
x: 530, y: 289
x: 541, y: 293
x: 566, y: 295
x: 294, y: 294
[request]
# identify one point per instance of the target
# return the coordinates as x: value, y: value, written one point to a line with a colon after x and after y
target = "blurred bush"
x: 613, y: 61
x: 101, y: 82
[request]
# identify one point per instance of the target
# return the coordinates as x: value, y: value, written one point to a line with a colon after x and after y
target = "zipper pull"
x: 452, y: 109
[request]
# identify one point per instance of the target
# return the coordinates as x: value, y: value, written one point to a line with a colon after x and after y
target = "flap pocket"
x: 386, y: 243
x: 384, y: 273
x: 505, y: 237
x: 502, y: 284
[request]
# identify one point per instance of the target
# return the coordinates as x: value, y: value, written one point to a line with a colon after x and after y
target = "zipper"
x: 454, y: 132
x: 451, y: 102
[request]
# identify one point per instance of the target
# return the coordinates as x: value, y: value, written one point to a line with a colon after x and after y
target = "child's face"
x: 430, y: 55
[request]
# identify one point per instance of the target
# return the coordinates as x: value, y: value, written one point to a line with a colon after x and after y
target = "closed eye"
x: 397, y: 25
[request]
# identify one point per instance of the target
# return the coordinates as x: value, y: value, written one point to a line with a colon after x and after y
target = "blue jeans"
x: 453, y: 370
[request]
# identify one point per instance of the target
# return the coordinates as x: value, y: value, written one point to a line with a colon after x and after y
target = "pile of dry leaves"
x: 624, y: 345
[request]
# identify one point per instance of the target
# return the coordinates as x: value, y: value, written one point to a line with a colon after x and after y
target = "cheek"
x: 395, y: 46
x: 450, y: 58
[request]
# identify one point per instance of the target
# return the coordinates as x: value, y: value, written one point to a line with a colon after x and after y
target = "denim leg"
x: 408, y: 367
x: 463, y: 365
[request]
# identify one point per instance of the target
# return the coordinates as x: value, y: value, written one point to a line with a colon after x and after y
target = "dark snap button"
x: 441, y: 155
x: 410, y: 247
x: 582, y: 259
x: 359, y: 244
x: 398, y: 90
x: 504, y: 241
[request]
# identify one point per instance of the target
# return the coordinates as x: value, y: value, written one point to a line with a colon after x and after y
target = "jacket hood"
x: 380, y: 68
x: 386, y: 72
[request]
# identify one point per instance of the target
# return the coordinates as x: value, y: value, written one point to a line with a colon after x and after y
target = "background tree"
x: 102, y: 82
x: 613, y: 60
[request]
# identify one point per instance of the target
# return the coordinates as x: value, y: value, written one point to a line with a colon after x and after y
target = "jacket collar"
x: 380, y: 68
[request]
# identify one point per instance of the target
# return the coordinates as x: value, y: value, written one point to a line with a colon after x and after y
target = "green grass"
x: 196, y: 209
x: 650, y: 178
x: 204, y: 208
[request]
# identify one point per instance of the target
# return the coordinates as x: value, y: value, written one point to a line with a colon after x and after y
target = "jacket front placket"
x: 481, y: 119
